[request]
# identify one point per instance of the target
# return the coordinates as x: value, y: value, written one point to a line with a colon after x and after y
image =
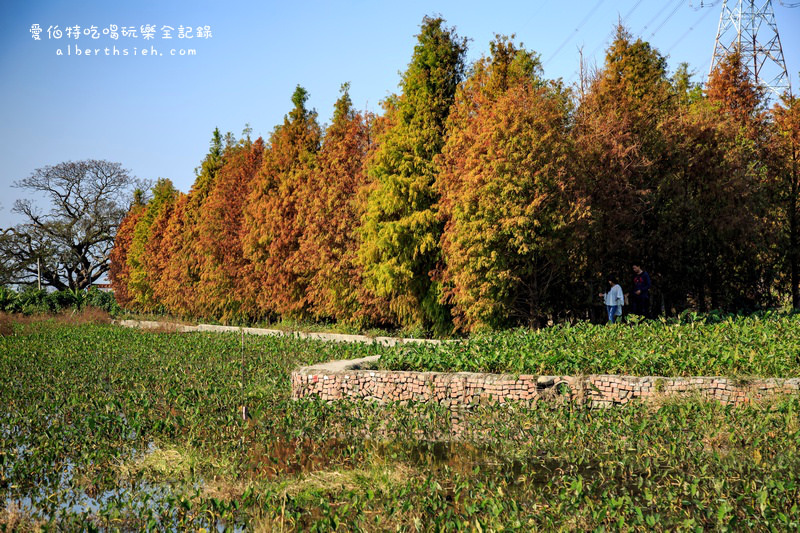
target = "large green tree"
x: 401, y: 228
x: 69, y: 224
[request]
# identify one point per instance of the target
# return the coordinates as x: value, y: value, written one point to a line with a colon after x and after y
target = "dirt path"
x: 331, y: 337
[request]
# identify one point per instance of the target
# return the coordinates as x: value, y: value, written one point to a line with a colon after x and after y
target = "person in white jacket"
x: 614, y: 299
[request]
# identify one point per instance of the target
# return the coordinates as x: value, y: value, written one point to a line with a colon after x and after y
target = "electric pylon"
x: 749, y: 26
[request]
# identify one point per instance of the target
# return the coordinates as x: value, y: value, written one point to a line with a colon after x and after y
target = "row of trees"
x: 483, y: 197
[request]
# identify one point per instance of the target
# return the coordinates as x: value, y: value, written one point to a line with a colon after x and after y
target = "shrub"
x: 32, y: 301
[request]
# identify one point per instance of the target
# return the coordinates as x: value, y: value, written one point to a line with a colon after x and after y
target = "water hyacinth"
x: 118, y: 429
x: 764, y: 345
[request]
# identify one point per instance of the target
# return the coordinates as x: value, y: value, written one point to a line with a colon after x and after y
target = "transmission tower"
x: 749, y: 26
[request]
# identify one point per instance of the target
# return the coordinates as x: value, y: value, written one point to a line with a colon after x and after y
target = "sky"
x: 155, y: 114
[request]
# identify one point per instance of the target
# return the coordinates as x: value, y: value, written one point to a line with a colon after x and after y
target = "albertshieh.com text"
x: 75, y: 50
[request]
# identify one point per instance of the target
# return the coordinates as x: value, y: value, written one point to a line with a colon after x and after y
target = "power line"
x: 612, y: 32
x: 657, y: 15
x: 571, y: 35
x: 609, y: 36
x: 687, y: 32
x: 677, y: 7
x: 703, y: 4
x: 536, y: 12
x: 629, y: 13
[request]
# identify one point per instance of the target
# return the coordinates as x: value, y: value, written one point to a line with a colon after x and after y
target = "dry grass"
x: 9, y: 320
x: 222, y: 488
x: 14, y: 518
x: 158, y: 464
x: 87, y: 315
x: 378, y: 477
x: 6, y: 325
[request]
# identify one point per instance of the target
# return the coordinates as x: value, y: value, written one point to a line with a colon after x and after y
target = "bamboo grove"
x: 484, y: 196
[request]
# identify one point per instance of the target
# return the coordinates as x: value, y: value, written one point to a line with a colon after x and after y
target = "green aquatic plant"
x: 760, y: 345
x: 110, y: 428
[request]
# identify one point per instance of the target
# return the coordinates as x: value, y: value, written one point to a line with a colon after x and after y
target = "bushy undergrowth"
x: 766, y: 344
x: 32, y: 301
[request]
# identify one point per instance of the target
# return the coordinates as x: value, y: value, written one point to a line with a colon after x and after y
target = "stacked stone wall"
x: 463, y: 390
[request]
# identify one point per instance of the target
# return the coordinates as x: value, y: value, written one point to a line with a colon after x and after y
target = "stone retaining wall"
x: 462, y: 390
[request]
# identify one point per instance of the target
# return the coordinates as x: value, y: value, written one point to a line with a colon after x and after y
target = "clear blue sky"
x: 155, y: 115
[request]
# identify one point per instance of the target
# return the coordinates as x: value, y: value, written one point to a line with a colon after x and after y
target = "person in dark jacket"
x: 640, y: 296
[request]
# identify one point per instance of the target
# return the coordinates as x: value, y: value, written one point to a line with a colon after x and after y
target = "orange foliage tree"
x: 160, y: 247
x: 179, y: 251
x: 222, y: 288
x: 332, y: 204
x: 273, y: 227
x: 508, y: 196
x: 119, y: 270
x: 741, y: 252
x: 619, y: 152
x: 495, y: 201
x: 139, y: 258
x: 730, y: 88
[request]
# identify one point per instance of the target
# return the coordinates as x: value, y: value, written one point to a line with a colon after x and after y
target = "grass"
x: 114, y: 428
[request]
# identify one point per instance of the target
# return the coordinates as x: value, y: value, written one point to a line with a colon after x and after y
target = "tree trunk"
x: 701, y: 295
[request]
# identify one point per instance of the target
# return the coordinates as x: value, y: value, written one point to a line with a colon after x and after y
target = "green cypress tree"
x: 401, y: 228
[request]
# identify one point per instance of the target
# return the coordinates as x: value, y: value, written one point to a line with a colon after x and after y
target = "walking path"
x: 334, y: 337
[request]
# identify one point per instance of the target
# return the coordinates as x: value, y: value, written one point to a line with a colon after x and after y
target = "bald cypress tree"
x: 119, y: 270
x: 332, y: 204
x: 181, y: 256
x: 508, y: 199
x: 729, y: 87
x: 713, y: 237
x: 401, y: 229
x: 786, y: 150
x: 271, y: 216
x: 223, y: 291
x: 139, y: 258
x: 620, y: 157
